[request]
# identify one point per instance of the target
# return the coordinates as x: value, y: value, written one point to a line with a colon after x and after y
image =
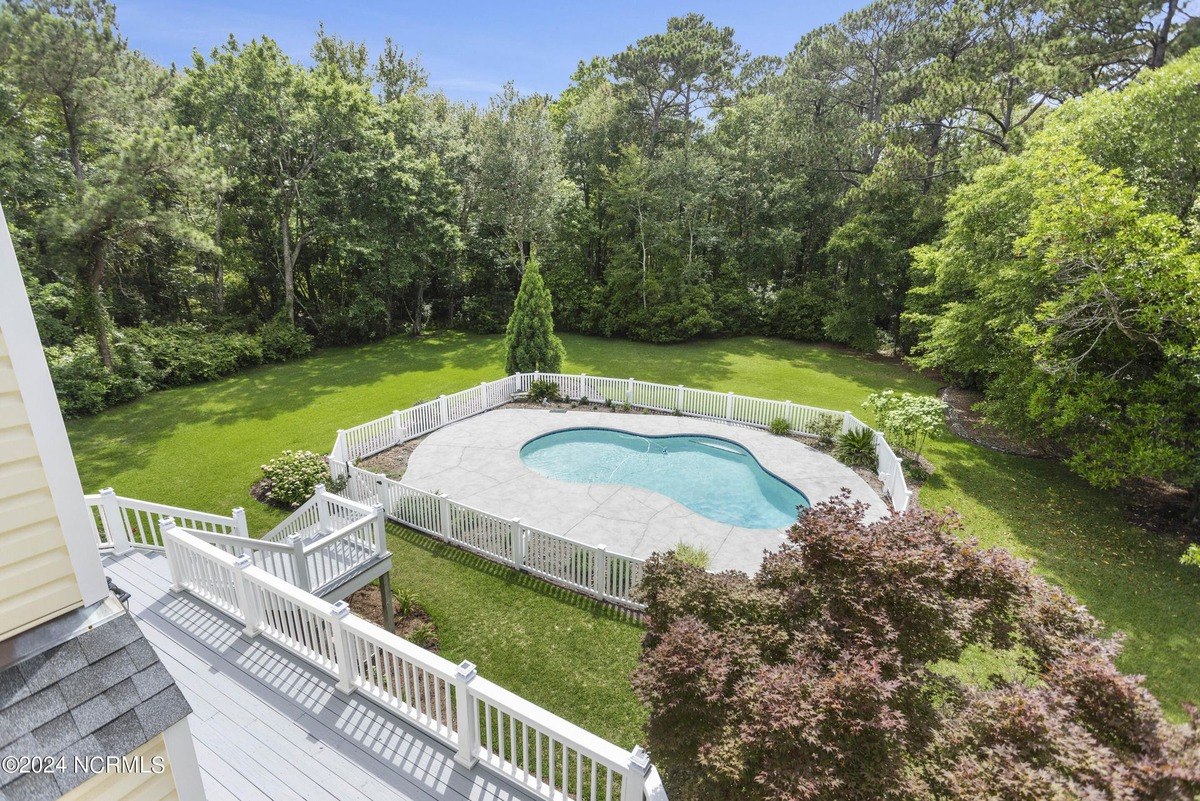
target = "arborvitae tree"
x: 530, y: 341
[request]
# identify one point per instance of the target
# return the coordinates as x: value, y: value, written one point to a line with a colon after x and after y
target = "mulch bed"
x: 367, y: 604
x: 392, y: 462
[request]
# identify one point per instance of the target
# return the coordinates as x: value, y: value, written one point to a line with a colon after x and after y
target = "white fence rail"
x: 585, y: 568
x: 369, y: 438
x: 324, y: 541
x: 485, y: 724
x: 121, y: 523
x: 588, y: 569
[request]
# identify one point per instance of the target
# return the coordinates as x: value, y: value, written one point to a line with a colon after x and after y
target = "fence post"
x: 600, y: 571
x: 380, y: 529
x: 397, y: 422
x: 339, y: 447
x: 582, y: 389
x: 341, y: 647
x: 679, y: 398
x: 629, y: 393
x: 633, y: 782
x: 299, y: 561
x: 167, y: 527
x: 245, y: 598
x: 443, y: 409
x: 322, y: 509
x: 729, y: 407
x: 239, y: 522
x: 466, y: 710
x: 444, y: 516
x: 381, y: 493
x: 518, y: 545
x: 846, y: 421
x: 114, y: 521
x: 787, y: 413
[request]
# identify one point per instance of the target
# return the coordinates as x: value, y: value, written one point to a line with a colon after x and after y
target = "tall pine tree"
x: 529, y: 340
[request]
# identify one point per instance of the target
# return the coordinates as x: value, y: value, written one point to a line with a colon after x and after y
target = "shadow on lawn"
x: 1129, y: 578
x: 515, y: 578
x: 263, y: 393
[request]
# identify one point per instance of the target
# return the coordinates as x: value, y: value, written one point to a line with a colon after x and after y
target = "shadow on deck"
x: 268, y: 726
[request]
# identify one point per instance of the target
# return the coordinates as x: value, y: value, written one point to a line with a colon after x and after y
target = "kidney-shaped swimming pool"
x: 711, y: 476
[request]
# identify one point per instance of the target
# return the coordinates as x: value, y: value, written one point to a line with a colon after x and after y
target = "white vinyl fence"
x: 485, y: 724
x: 588, y: 569
x: 370, y: 438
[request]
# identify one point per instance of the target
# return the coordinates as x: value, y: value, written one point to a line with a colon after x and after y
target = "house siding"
x: 37, y: 579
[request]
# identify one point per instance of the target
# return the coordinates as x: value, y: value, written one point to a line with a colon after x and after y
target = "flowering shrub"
x: 293, y: 475
x: 906, y: 420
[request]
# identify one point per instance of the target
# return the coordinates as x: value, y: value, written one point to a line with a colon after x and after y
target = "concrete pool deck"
x: 477, y: 462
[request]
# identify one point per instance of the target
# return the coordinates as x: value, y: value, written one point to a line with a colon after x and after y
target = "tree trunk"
x: 218, y: 262
x: 1158, y: 53
x: 1193, y: 515
x: 289, y: 265
x: 95, y: 302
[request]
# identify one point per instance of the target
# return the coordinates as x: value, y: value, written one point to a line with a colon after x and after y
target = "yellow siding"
x: 37, y: 580
x: 131, y: 786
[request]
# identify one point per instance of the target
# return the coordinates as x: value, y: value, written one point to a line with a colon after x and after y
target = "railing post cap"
x: 294, y: 538
x: 639, y: 760
x: 395, y: 411
x: 601, y: 547
x: 319, y: 488
x: 108, y: 491
x: 341, y: 431
x: 516, y: 520
x: 242, y: 562
x: 340, y: 609
x: 465, y: 671
x: 441, y: 396
x: 166, y: 523
x: 238, y: 510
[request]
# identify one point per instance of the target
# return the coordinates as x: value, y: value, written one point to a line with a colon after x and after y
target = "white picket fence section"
x: 324, y: 541
x: 372, y: 437
x: 484, y: 723
x: 588, y: 569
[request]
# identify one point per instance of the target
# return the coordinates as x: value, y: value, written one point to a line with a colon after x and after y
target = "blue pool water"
x: 711, y: 476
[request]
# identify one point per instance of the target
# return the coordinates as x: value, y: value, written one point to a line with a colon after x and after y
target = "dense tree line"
x: 679, y: 188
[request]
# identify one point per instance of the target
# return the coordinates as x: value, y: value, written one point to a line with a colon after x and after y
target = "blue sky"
x: 469, y: 48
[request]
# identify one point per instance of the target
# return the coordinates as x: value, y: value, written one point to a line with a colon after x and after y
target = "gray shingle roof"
x: 103, y: 693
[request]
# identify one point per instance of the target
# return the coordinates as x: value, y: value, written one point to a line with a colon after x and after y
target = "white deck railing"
x: 485, y: 724
x: 326, y: 540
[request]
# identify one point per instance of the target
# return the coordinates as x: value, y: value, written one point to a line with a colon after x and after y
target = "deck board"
x: 268, y: 725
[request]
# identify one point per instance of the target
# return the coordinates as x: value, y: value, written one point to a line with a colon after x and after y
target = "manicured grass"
x: 201, y: 447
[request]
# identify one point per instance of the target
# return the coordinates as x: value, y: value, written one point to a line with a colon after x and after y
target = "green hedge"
x: 156, y: 357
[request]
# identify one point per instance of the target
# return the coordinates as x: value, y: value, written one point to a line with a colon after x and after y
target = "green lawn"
x: 201, y: 447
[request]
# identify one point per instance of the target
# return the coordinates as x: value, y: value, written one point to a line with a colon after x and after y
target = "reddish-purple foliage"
x: 813, y: 679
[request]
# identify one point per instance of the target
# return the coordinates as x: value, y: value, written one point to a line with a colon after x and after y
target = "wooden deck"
x: 268, y: 726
